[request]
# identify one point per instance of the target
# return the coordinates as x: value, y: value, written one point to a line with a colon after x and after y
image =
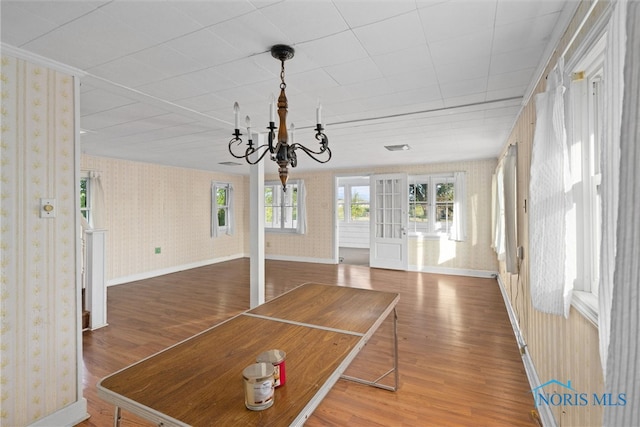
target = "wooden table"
x: 199, y: 381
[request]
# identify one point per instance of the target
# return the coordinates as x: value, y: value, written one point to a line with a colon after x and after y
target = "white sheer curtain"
x: 214, y: 210
x: 549, y: 201
x: 230, y: 215
x: 97, y: 200
x: 498, y: 211
x: 510, y: 209
x: 302, y: 208
x: 459, y: 226
x: 610, y: 162
x: 623, y: 371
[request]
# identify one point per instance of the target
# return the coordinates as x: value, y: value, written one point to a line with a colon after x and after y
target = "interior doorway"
x: 353, y: 212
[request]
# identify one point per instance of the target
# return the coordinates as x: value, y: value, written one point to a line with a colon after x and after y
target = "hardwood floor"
x: 459, y: 363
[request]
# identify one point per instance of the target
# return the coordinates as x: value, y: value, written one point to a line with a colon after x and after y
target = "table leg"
x: 394, y: 369
x: 117, y: 416
x: 395, y: 350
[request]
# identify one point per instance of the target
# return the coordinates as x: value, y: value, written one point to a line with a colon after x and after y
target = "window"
x: 85, y: 197
x: 222, y: 208
x: 586, y: 101
x: 341, y: 203
x: 359, y: 209
x: 353, y: 201
x: 222, y: 200
x: 431, y: 200
x: 282, y: 208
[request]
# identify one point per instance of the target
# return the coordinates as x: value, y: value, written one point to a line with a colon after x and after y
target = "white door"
x: 389, y: 205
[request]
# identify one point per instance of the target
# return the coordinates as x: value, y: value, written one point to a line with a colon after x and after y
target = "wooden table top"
x: 199, y: 381
x: 348, y: 309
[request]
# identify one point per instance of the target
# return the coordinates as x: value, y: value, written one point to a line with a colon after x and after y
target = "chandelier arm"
x: 251, y: 151
x: 324, y: 140
x: 275, y: 151
x: 293, y: 157
x: 248, y: 152
x: 271, y: 136
x: 239, y: 141
x: 312, y: 153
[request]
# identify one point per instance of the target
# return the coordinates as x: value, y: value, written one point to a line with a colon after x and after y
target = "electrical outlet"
x: 158, y: 250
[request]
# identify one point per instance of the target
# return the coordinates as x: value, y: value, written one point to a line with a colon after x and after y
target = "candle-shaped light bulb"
x: 248, y: 122
x: 319, y: 113
x: 272, y: 108
x: 236, y: 115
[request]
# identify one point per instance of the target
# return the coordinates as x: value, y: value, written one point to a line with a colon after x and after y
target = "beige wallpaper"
x: 148, y: 206
x: 39, y: 345
x: 562, y: 349
x: 474, y: 254
x: 316, y: 244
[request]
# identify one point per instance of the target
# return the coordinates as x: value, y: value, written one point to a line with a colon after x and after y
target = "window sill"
x: 587, y: 304
x: 281, y: 231
x: 424, y: 236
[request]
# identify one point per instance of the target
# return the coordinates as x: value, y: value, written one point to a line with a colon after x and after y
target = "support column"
x: 256, y: 227
x: 96, y: 277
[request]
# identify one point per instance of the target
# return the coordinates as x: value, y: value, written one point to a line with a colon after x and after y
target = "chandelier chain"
x: 283, y: 85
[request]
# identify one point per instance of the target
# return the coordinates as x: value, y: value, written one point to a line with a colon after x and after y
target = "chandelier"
x: 281, y: 150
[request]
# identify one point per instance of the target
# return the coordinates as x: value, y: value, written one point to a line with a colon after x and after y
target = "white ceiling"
x: 446, y: 77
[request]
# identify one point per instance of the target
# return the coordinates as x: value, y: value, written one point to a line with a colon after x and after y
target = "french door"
x: 389, y: 206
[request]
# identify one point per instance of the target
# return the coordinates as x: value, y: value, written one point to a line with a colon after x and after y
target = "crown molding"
x: 34, y: 58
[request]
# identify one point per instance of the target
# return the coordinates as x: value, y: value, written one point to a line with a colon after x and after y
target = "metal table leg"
x: 117, y: 416
x: 394, y: 369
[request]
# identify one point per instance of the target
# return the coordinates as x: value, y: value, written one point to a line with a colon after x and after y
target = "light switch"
x: 47, y: 208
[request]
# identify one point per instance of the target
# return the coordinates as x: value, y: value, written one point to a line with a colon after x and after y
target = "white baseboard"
x: 356, y: 245
x: 67, y: 416
x: 169, y: 270
x: 546, y: 416
x: 300, y: 259
x: 454, y: 271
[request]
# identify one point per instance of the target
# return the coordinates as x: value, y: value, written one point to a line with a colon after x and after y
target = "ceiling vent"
x: 230, y: 164
x: 401, y: 147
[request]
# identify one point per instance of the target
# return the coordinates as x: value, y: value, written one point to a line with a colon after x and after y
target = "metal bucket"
x: 277, y: 359
x: 258, y: 386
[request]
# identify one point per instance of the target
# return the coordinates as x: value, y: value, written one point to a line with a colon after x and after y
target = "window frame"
x: 88, y: 208
x: 282, y: 207
x: 225, y: 186
x: 431, y: 181
x: 346, y: 204
x: 586, y: 97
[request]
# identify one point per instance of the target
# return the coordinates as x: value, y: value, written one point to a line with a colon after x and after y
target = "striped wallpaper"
x: 39, y: 345
x: 561, y: 349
